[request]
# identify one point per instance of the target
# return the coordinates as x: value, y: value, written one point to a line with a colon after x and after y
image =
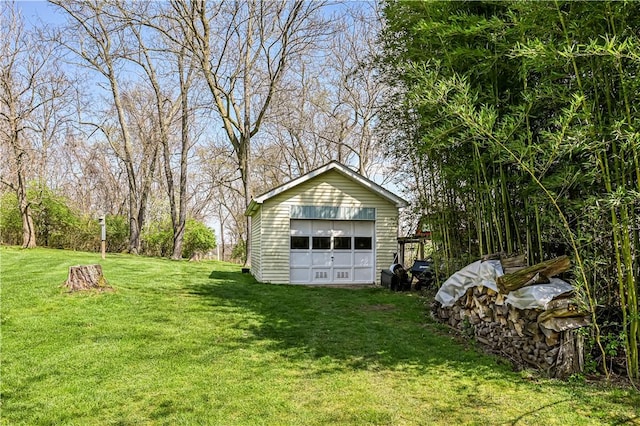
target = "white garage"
x: 330, y: 226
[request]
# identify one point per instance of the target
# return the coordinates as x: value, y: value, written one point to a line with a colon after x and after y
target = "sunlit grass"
x: 202, y: 343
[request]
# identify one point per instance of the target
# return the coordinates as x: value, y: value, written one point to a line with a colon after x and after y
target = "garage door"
x: 332, y: 252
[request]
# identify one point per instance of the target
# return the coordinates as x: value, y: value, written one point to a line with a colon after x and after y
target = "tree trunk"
x: 571, y: 356
x: 179, y: 227
x: 86, y: 277
x: 134, y: 234
x: 222, y: 242
x: 28, y: 229
x: 244, y: 155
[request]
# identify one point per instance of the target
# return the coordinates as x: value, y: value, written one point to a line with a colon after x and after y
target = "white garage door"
x: 332, y: 252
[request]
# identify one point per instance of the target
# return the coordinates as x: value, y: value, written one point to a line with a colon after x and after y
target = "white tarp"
x: 539, y: 295
x: 476, y: 274
x: 485, y: 274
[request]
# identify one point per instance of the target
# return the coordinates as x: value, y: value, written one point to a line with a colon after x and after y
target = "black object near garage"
x: 396, y: 278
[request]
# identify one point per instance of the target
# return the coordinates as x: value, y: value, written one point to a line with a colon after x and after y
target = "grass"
x: 202, y: 343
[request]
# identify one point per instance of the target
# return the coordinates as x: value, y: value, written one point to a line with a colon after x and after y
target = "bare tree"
x: 244, y: 49
x: 356, y: 89
x: 329, y: 110
x: 299, y: 127
x: 98, y: 38
x: 97, y: 181
x: 33, y: 89
x: 222, y: 191
x: 150, y: 59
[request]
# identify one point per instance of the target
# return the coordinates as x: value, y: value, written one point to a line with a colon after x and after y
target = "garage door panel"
x: 300, y: 259
x: 363, y: 259
x: 342, y: 229
x: 300, y: 227
x: 364, y: 275
x: 341, y: 259
x: 321, y: 275
x: 363, y: 229
x: 321, y: 228
x: 342, y: 274
x: 321, y: 259
x: 300, y: 275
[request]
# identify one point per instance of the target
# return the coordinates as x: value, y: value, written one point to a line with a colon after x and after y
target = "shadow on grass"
x: 523, y: 416
x: 368, y: 328
x: 364, y: 329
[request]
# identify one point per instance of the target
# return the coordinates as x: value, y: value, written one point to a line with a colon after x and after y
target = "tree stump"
x: 570, y: 358
x: 86, y: 277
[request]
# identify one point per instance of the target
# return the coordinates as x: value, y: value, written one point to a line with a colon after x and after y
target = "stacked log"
x: 536, y: 274
x: 528, y: 337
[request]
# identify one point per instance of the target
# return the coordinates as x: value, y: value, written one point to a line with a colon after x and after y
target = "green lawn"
x: 201, y: 343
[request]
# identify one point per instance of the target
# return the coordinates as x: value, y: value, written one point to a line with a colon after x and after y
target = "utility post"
x: 103, y: 236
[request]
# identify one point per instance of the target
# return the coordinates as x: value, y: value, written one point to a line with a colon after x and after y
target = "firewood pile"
x: 541, y: 335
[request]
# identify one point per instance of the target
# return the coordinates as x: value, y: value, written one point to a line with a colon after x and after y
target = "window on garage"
x: 342, y: 243
x: 363, y: 243
x: 299, y: 243
x: 321, y: 243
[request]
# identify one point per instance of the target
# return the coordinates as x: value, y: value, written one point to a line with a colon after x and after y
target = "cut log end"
x: 86, y: 277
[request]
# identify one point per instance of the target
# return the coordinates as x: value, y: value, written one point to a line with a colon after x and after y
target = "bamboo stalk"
x: 632, y: 300
x: 505, y: 210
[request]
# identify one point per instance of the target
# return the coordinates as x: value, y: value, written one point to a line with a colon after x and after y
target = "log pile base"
x: 86, y: 277
x: 546, y: 340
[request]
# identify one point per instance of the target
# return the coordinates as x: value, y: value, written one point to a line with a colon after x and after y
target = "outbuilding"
x: 329, y: 226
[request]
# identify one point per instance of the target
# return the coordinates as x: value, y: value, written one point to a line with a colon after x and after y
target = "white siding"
x: 386, y: 237
x: 256, y: 245
x: 328, y: 189
x: 275, y: 242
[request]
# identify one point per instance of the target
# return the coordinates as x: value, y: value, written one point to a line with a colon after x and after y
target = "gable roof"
x: 333, y: 165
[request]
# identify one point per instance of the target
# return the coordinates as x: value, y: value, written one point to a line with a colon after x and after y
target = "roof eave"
x: 252, y: 208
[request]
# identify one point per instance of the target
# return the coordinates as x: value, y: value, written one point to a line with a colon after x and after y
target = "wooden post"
x: 103, y: 236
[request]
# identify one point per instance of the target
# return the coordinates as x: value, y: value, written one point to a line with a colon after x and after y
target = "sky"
x: 38, y: 11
